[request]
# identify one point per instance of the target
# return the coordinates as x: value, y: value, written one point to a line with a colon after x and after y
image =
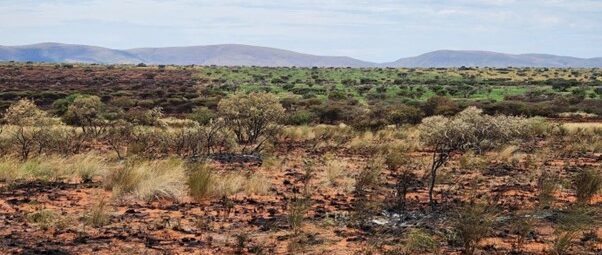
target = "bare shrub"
x: 214, y: 138
x: 69, y: 141
x: 150, y: 143
x: 195, y: 143
x: 31, y: 127
x: 24, y: 138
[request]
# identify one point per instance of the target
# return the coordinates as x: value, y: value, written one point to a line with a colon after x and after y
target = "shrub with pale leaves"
x: 25, y: 113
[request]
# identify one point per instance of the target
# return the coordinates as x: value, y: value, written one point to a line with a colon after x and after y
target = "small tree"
x: 468, y: 130
x: 118, y: 136
x: 86, y: 112
x: 251, y: 116
x: 32, y: 124
x: 140, y: 116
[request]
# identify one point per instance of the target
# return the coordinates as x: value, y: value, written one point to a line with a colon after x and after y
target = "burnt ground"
x: 253, y: 224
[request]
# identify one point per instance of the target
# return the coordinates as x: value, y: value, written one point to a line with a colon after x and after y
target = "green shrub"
x: 251, y: 116
x: 300, y: 117
x: 472, y: 222
x: 419, y: 241
x: 202, y: 115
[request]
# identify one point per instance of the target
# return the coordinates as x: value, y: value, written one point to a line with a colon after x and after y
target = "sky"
x: 372, y: 30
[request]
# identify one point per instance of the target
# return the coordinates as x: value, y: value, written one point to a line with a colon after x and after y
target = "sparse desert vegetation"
x: 122, y: 159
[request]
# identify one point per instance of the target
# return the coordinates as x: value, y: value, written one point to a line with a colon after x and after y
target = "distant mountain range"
x: 245, y: 55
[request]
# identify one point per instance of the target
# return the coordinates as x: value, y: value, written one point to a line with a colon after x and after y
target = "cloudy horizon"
x: 379, y: 31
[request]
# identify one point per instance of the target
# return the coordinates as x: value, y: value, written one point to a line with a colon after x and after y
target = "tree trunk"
x: 432, y: 186
x: 438, y: 161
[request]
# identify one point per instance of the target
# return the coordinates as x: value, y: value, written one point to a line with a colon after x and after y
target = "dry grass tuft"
x: 9, y: 170
x: 204, y: 183
x: 97, y: 215
x: 53, y: 168
x: 547, y: 185
x: 227, y: 185
x: 47, y: 219
x: 587, y: 184
x: 258, y: 184
x: 149, y: 180
x: 87, y: 166
x: 199, y: 181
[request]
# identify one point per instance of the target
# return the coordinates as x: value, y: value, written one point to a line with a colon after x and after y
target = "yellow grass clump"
x: 149, y: 180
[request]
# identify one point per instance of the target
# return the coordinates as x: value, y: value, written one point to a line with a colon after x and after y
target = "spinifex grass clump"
x: 588, y: 183
x: 46, y: 219
x: 570, y: 222
x: 149, y: 180
x: 97, y: 215
x: 420, y: 241
x: 547, y: 185
x: 199, y: 181
x: 81, y: 167
x: 473, y: 222
x: 366, y: 181
x: 521, y: 226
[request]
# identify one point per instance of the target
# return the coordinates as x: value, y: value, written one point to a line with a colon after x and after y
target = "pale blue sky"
x: 375, y: 30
